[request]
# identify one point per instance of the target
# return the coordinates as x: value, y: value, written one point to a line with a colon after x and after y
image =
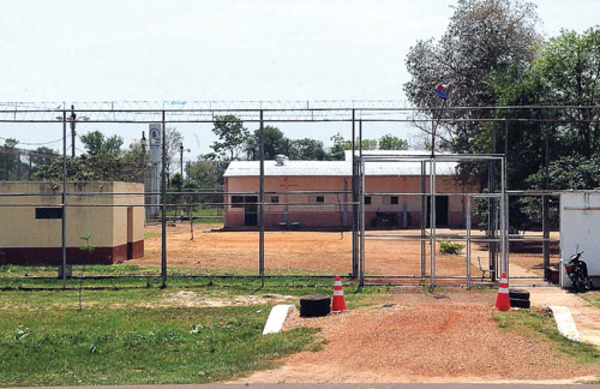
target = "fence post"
x: 163, y: 195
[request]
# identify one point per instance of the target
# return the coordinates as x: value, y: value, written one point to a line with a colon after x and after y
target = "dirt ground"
x: 315, y: 252
x: 421, y: 337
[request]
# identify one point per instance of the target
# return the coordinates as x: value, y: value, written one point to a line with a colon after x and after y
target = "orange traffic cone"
x: 503, y: 299
x: 338, y: 305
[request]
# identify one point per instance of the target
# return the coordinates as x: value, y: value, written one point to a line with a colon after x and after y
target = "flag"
x: 442, y: 89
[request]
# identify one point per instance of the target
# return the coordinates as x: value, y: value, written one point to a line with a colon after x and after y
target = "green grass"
x: 130, y: 292
x: 139, y: 346
x: 152, y: 234
x: 593, y: 297
x: 128, y: 333
x: 537, y: 324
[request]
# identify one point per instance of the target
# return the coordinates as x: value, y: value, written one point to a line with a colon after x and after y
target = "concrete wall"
x: 332, y: 213
x: 25, y: 239
x: 579, y: 215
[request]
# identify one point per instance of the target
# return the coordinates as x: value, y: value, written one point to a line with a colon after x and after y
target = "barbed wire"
x: 250, y: 111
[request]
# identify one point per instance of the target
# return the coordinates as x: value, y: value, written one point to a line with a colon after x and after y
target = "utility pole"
x: 181, y: 161
x: 72, y: 119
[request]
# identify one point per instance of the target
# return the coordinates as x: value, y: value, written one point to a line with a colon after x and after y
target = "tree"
x: 274, y: 141
x: 307, y: 149
x: 95, y: 144
x: 570, y: 69
x: 174, y: 141
x: 390, y: 142
x: 483, y: 36
x: 103, y: 161
x: 9, y: 159
x: 231, y: 135
x: 205, y: 175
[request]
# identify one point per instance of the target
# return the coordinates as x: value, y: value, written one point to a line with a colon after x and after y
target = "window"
x: 48, y: 213
x: 367, y: 200
x: 320, y: 199
x: 394, y: 200
x: 274, y: 199
x: 237, y: 201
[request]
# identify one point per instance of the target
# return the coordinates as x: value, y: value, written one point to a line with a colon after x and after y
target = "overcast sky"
x: 222, y: 50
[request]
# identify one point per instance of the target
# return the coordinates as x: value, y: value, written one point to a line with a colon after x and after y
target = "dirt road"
x: 422, y: 337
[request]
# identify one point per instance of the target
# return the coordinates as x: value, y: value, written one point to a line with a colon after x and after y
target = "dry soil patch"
x: 420, y: 337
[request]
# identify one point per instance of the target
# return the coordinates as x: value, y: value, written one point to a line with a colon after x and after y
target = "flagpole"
x: 436, y: 122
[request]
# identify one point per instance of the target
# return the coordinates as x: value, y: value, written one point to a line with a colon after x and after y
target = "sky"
x: 186, y: 50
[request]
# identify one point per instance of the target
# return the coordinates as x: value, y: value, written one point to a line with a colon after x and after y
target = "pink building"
x: 288, y: 204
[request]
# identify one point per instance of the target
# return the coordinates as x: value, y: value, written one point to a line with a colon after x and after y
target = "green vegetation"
x: 145, y: 291
x: 152, y: 234
x: 139, y: 346
x: 450, y: 248
x: 592, y: 297
x: 540, y: 324
x: 130, y: 332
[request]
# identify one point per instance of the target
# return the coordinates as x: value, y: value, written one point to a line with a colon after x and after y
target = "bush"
x: 447, y: 247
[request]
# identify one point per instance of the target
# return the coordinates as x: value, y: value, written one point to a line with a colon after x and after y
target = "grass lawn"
x: 138, y: 346
x: 133, y: 334
x: 540, y: 324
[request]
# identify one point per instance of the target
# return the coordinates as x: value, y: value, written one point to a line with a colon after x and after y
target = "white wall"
x: 580, y: 224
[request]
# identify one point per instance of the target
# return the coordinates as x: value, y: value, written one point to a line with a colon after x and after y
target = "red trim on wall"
x: 53, y: 255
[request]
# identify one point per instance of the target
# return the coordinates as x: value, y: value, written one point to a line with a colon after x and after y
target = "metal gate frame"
x: 431, y: 160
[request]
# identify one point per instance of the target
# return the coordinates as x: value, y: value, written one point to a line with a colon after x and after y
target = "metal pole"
x: 545, y: 206
x: 468, y: 241
x: 181, y: 160
x: 73, y: 118
x: 360, y: 137
x: 492, y: 215
x: 163, y: 194
x: 423, y: 220
x: 362, y: 222
x: 354, y: 200
x: 261, y: 206
x: 432, y: 220
x: 504, y: 221
x: 64, y: 203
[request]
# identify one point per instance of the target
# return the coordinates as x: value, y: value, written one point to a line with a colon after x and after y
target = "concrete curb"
x: 277, y: 317
x: 564, y: 322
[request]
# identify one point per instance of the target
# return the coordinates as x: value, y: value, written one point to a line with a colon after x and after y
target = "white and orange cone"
x: 338, y: 305
x: 503, y: 299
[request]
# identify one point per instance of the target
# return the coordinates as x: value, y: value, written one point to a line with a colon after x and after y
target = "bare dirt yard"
x: 315, y: 252
x: 447, y: 336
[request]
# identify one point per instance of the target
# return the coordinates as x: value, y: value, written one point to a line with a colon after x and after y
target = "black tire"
x: 520, y: 303
x: 580, y: 286
x: 315, y: 306
x: 520, y: 294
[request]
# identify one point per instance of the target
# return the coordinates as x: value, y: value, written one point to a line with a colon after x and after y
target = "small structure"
x: 31, y: 228
x: 579, y: 227
x: 289, y: 203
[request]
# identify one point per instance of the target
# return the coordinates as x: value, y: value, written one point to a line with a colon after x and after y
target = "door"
x: 441, y: 211
x: 129, y: 232
x: 250, y: 211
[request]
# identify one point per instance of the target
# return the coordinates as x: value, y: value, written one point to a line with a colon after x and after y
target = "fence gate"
x: 418, y: 225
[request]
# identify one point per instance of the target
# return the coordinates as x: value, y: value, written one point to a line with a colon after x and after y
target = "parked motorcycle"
x: 578, y: 272
x: 384, y: 219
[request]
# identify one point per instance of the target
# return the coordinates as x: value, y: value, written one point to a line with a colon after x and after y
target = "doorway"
x: 250, y: 211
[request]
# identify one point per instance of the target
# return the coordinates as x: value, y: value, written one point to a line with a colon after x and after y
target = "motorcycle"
x: 384, y: 219
x: 578, y: 272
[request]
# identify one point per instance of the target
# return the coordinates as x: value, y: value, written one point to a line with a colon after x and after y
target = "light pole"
x: 73, y: 120
x: 181, y: 161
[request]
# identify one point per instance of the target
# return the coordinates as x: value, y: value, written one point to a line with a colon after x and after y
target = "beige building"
x: 31, y: 214
x: 394, y: 183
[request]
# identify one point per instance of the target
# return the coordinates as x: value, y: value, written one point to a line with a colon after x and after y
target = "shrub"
x: 447, y: 247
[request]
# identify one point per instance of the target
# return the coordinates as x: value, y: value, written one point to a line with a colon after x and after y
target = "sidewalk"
x: 586, y: 316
